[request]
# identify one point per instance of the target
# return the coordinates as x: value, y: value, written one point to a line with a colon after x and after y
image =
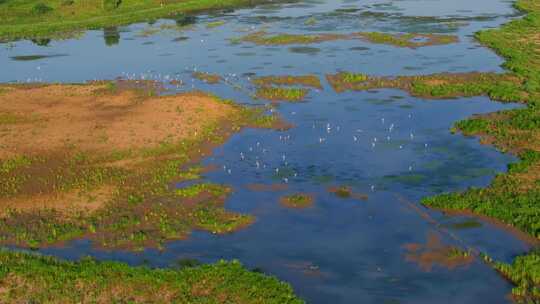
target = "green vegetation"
x: 353, y: 77
x: 281, y: 94
x: 409, y: 40
x: 524, y: 272
x: 503, y: 87
x: 512, y: 197
x: 298, y: 201
x: 55, y: 18
x: 139, y: 208
x: 263, y: 38
x: 207, y: 77
x: 51, y: 280
x: 288, y: 80
x: 342, y: 191
x: 215, y: 24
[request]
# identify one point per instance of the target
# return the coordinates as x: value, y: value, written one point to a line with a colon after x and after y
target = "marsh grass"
x: 281, y: 94
x: 289, y: 80
x: 143, y: 210
x: 207, y: 77
x: 112, y: 282
x: 297, y: 201
x: 408, y: 40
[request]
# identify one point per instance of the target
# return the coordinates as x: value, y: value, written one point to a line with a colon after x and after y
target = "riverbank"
x: 57, y: 18
x: 32, y: 278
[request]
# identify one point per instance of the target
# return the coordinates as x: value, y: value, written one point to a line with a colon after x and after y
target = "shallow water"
x: 341, y: 250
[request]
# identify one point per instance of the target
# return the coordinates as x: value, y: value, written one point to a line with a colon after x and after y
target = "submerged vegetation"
x: 89, y: 281
x: 53, y: 18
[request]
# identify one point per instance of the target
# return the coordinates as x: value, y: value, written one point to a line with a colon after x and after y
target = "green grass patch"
x: 297, y: 201
x: 54, y: 18
x: 112, y: 282
x: 281, y: 94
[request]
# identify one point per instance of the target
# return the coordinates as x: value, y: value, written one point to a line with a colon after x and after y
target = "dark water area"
x: 385, y: 144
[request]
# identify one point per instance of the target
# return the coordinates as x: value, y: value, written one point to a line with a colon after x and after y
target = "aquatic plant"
x: 289, y: 80
x: 281, y: 94
x: 215, y: 24
x: 410, y: 40
x: 298, y: 200
x: 207, y: 77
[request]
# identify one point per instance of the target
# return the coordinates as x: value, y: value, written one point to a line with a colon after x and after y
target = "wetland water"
x: 385, y: 144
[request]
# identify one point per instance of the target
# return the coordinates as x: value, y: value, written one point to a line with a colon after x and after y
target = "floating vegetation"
x: 347, y: 192
x: 207, y: 77
x: 215, y: 24
x: 263, y: 38
x: 35, y: 57
x: 113, y: 282
x: 152, y: 30
x: 304, y: 50
x: 435, y: 253
x: 297, y: 201
x: 408, y: 40
x: 304, y: 80
x: 281, y: 94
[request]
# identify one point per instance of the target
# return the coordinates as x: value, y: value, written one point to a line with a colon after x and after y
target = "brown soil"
x: 267, y: 188
x: 91, y: 119
x: 98, y: 119
x: 434, y: 252
x: 346, y: 192
x: 297, y: 200
x: 523, y: 236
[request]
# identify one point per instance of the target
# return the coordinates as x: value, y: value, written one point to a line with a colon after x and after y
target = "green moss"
x: 112, y: 282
